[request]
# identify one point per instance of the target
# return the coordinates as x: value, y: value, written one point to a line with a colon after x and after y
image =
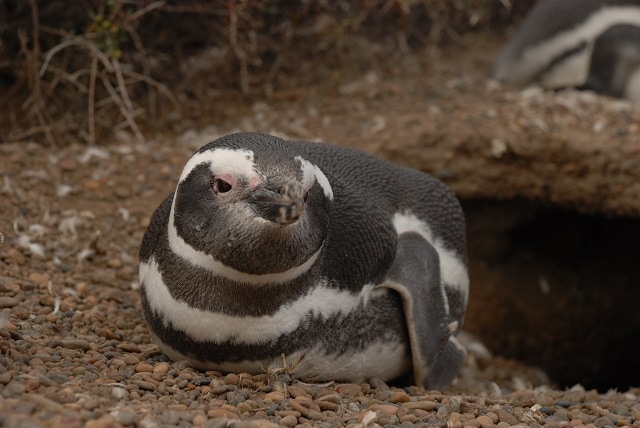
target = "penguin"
x: 587, y: 44
x: 346, y: 265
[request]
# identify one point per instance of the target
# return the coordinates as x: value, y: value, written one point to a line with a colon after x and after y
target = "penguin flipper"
x: 415, y: 276
x: 448, y: 364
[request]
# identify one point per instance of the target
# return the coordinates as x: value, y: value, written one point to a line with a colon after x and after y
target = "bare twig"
x: 35, y: 83
x: 124, y: 94
x: 78, y: 41
x: 148, y: 8
x: 124, y: 111
x: 241, y: 55
x: 53, y: 51
x: 146, y: 69
x: 91, y: 104
x: 152, y: 82
x: 62, y: 76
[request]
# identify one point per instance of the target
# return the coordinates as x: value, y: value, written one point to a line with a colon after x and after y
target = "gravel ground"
x: 74, y: 350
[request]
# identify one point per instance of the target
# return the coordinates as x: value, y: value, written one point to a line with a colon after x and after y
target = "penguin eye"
x: 306, y: 195
x: 221, y: 186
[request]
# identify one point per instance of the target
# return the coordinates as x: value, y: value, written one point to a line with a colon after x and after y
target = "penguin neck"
x: 203, y: 260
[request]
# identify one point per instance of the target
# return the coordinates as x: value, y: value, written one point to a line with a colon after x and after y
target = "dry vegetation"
x: 75, y: 72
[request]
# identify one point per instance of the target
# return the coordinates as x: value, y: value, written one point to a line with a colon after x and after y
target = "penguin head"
x: 251, y: 203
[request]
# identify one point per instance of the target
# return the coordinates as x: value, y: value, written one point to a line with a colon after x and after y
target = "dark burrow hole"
x: 557, y: 289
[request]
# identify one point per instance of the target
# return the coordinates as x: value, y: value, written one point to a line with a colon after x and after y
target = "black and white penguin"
x: 350, y: 266
x: 589, y: 44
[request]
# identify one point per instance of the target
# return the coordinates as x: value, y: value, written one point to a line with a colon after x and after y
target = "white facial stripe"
x: 452, y: 269
x: 223, y: 161
x: 210, y: 326
x: 519, y: 69
x: 205, y: 261
x: 310, y: 173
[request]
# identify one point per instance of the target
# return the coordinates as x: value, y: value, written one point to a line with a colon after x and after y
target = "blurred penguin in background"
x: 587, y: 44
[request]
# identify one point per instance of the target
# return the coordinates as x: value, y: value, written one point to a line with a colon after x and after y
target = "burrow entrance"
x: 557, y: 289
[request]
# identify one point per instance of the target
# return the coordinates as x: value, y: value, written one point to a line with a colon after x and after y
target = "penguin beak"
x: 279, y: 201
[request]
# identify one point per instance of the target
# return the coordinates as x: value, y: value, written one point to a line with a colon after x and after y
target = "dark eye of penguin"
x: 306, y: 195
x: 221, y: 186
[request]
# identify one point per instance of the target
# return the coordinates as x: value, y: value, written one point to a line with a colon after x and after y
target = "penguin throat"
x: 203, y: 260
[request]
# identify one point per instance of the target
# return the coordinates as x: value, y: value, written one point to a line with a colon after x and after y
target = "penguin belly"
x: 367, y: 340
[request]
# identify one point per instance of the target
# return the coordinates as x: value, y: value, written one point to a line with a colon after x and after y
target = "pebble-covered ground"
x: 76, y: 352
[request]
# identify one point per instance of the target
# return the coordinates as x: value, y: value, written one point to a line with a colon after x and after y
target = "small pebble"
x: 8, y: 302
x: 222, y: 413
x: 422, y: 405
x: 349, y: 389
x: 289, y: 421
x: 131, y: 359
x: 161, y: 368
x: 232, y: 379
x: 16, y: 256
x: 505, y: 416
x: 144, y: 368
x: 493, y: 416
x: 353, y: 407
x: 76, y: 344
x: 408, y: 418
x: 243, y: 407
x: 388, y: 409
x: 39, y: 278
x: 485, y: 421
x: 31, y: 384
x: 129, y: 347
x: 400, y: 397
x: 147, y: 386
x: 523, y: 398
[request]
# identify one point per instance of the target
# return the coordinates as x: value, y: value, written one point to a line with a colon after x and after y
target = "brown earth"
x: 549, y: 182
